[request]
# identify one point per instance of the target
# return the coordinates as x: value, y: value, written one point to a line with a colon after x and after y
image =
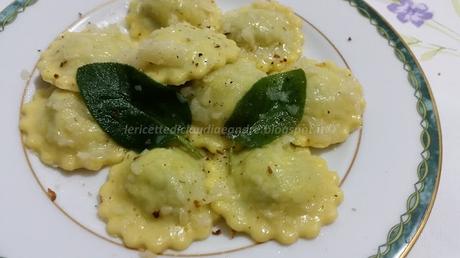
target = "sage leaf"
x: 136, y: 111
x: 271, y: 108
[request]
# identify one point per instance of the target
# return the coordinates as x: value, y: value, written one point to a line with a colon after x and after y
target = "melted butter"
x: 57, y: 125
x: 214, y: 98
x: 59, y: 63
x: 133, y: 204
x: 269, y: 33
x: 181, y: 52
x: 145, y: 16
x: 275, y: 192
x: 334, y: 106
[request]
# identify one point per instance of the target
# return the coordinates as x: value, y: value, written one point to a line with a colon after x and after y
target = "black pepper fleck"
x: 269, y: 170
x: 63, y: 63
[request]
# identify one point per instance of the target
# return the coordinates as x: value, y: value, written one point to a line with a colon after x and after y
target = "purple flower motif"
x: 406, y: 11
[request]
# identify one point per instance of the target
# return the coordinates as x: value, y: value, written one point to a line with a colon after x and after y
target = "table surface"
x: 432, y: 29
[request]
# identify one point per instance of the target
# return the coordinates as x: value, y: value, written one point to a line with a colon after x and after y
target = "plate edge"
x: 402, y: 237
x: 11, y: 11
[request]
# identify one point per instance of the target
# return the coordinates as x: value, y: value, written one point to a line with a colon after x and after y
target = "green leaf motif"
x: 411, y: 40
x: 136, y: 111
x: 456, y: 4
x: 9, y: 14
x: 273, y: 107
x: 427, y: 56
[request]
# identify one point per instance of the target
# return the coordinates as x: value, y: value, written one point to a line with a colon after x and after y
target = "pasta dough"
x: 157, y: 201
x: 163, y: 198
x: 334, y: 105
x: 209, y: 139
x: 269, y: 33
x: 277, y: 192
x: 59, y: 63
x: 145, y: 16
x: 179, y: 53
x: 58, y: 126
x: 213, y: 99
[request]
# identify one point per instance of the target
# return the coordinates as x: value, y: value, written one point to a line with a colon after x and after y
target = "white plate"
x: 379, y: 165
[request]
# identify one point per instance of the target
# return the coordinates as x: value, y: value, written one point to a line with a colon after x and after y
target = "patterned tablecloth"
x: 432, y: 29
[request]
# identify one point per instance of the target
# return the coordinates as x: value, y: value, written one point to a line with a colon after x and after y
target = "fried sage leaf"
x: 136, y: 111
x: 272, y: 108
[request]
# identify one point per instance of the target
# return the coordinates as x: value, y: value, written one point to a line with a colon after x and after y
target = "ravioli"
x: 157, y: 201
x: 145, y: 16
x: 209, y: 138
x: 269, y: 33
x: 334, y: 106
x: 57, y: 125
x: 164, y: 198
x: 213, y: 99
x: 59, y: 63
x: 181, y: 52
x: 277, y: 192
